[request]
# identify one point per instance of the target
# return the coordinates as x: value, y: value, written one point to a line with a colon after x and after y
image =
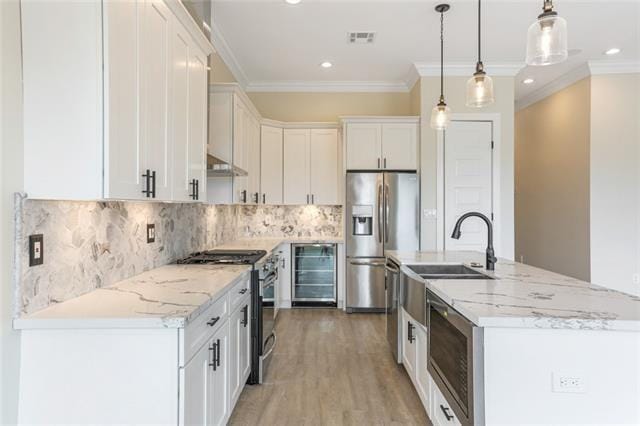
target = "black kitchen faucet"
x: 491, y: 258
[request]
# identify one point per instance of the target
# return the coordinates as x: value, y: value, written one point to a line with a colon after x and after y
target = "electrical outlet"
x: 151, y: 233
x: 36, y: 249
x: 569, y: 383
x: 636, y: 278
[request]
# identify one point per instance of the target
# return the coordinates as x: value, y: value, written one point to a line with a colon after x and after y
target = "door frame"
x: 496, y: 121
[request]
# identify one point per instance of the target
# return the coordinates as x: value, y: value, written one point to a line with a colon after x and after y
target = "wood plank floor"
x: 331, y: 368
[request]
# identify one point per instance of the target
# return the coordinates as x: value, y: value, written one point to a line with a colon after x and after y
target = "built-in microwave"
x: 455, y: 360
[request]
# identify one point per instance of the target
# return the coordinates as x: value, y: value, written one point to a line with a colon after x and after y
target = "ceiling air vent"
x: 361, y: 37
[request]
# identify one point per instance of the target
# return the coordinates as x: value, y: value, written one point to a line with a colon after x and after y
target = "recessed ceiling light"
x: 326, y: 64
x: 292, y: 1
x: 528, y: 81
x: 612, y: 51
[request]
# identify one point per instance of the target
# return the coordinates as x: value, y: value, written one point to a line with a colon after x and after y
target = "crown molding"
x: 565, y: 80
x: 607, y: 67
x: 432, y: 69
x: 300, y: 124
x: 236, y: 89
x: 222, y: 48
x: 328, y: 86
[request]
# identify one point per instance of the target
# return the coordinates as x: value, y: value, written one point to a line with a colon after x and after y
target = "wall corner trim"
x: 565, y: 80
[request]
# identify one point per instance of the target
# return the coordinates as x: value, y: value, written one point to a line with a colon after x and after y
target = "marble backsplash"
x: 88, y: 245
x: 289, y: 221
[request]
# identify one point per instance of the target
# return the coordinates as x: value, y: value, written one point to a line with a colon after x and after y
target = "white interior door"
x: 296, y: 166
x: 271, y: 165
x: 468, y: 158
x: 324, y: 166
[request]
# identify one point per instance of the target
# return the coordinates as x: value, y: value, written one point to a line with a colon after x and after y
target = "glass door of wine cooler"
x: 314, y: 273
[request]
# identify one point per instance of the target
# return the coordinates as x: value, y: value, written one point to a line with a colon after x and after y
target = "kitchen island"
x: 560, y: 350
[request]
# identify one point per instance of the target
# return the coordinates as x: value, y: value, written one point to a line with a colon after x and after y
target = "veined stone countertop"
x: 527, y: 297
x: 166, y: 297
x: 270, y: 244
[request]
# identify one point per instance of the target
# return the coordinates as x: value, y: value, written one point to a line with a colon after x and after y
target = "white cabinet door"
x: 239, y: 343
x: 180, y: 103
x: 271, y: 165
x: 253, y: 154
x: 197, y: 125
x: 240, y: 117
x: 154, y: 63
x: 400, y: 146
x: 296, y: 166
x: 422, y: 375
x: 219, y: 398
x: 364, y: 146
x: 195, y: 389
x: 324, y: 152
x: 122, y: 144
x: 221, y: 126
x: 408, y: 344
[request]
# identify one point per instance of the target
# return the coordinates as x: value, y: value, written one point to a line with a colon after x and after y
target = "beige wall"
x: 10, y: 181
x: 552, y: 182
x: 219, y: 72
x: 328, y: 107
x: 415, y: 98
x: 455, y: 93
x: 615, y: 181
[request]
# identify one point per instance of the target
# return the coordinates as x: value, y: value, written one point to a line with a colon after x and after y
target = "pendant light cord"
x: 479, y: 24
x: 441, y: 56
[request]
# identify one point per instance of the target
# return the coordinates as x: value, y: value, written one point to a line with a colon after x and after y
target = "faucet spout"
x: 490, y: 258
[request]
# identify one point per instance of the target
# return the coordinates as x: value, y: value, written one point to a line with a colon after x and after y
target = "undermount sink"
x: 448, y: 272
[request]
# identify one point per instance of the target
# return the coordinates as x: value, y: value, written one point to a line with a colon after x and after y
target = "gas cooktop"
x: 223, y: 257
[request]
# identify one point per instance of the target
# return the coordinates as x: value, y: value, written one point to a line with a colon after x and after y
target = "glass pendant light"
x: 480, y: 85
x: 441, y: 113
x: 547, y: 38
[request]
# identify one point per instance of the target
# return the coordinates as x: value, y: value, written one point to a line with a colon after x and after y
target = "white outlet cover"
x: 569, y: 382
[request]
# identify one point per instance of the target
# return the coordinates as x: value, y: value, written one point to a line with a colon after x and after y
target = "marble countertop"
x: 270, y: 244
x: 525, y: 296
x: 166, y: 297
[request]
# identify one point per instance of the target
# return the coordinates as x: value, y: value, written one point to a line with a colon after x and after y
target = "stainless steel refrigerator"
x: 382, y: 213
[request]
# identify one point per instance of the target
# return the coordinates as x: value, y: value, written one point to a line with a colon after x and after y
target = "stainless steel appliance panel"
x: 401, y: 211
x: 414, y: 298
x: 365, y: 284
x: 392, y: 284
x: 364, y: 205
x: 456, y: 360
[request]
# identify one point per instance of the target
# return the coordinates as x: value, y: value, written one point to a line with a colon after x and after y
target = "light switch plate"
x: 151, y: 233
x: 36, y: 249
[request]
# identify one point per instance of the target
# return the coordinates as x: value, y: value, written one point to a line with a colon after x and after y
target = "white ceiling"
x: 271, y: 45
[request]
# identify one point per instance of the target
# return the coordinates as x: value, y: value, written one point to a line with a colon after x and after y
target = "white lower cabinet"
x: 218, y: 376
x: 240, y: 344
x: 441, y: 414
x: 414, y: 357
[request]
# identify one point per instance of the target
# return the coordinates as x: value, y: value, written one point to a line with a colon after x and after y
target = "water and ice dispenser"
x: 362, y: 220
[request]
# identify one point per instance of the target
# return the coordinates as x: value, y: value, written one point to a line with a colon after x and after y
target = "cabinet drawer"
x: 203, y: 326
x: 238, y: 291
x: 438, y: 408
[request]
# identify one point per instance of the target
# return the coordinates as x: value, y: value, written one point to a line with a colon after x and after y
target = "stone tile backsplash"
x: 88, y: 245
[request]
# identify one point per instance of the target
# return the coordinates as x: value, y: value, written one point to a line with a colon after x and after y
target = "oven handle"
x: 275, y: 340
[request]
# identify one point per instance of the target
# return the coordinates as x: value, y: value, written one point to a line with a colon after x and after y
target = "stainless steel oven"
x: 268, y: 277
x: 455, y: 360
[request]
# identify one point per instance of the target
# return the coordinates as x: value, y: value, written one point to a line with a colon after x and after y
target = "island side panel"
x: 92, y: 376
x: 520, y: 365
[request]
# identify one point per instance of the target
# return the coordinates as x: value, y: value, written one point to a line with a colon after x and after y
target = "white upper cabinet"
x: 311, y: 166
x: 324, y: 172
x: 384, y: 144
x: 197, y: 176
x: 253, y: 160
x: 221, y: 125
x: 400, y: 146
x: 100, y: 106
x: 271, y: 166
x: 296, y: 166
x: 364, y: 146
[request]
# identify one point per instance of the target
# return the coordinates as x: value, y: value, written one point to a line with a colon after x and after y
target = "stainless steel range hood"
x: 219, y: 168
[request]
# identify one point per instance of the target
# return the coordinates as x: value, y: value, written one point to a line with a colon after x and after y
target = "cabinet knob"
x: 213, y: 321
x: 445, y: 411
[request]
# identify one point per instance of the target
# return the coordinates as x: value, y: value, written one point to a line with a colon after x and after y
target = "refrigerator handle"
x: 380, y: 213
x: 386, y: 214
